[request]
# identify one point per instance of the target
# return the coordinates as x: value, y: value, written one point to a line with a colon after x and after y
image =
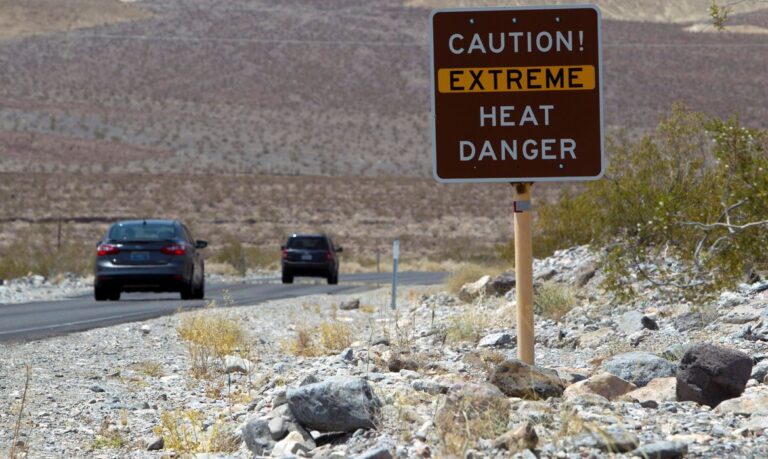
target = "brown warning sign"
x: 516, y: 94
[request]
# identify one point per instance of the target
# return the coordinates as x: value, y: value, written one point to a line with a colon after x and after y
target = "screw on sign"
x: 517, y: 98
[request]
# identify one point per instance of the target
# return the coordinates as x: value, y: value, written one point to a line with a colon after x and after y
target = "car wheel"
x: 114, y: 295
x: 199, y: 293
x: 187, y: 291
x: 100, y: 293
x: 333, y: 279
x: 287, y: 278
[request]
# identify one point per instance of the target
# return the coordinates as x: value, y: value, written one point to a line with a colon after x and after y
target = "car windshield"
x: 142, y: 232
x: 308, y: 243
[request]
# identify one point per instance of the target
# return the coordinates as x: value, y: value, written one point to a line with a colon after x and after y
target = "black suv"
x: 149, y: 256
x: 310, y: 255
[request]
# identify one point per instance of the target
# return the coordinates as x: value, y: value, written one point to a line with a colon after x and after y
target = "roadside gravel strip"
x: 110, y: 392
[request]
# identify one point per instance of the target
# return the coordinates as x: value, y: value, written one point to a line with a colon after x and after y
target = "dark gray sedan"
x: 149, y: 256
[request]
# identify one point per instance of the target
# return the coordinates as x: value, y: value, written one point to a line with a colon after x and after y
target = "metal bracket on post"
x: 521, y: 206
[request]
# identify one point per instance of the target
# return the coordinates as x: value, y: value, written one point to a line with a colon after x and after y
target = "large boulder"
x: 518, y: 379
x: 603, y: 384
x: 338, y: 404
x: 639, y: 368
x: 709, y: 374
x: 655, y: 392
x: 754, y: 403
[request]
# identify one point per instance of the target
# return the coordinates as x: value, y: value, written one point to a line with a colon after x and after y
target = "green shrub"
x: 673, y: 192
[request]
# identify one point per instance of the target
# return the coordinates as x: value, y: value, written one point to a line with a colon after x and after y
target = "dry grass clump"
x: 327, y: 338
x: 149, y: 368
x: 107, y: 436
x: 185, y: 431
x: 553, y: 300
x: 211, y: 336
x: 469, y: 325
x: 472, y: 413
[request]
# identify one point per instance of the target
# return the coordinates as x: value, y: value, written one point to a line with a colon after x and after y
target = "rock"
x: 603, y: 384
x: 156, y: 444
x: 347, y: 355
x: 649, y: 323
x: 235, y: 364
x: 472, y: 409
x: 751, y: 403
x: 593, y: 339
x: 659, y: 390
x: 350, y: 305
x: 429, y: 386
x: 662, y: 450
x: 674, y: 352
x: 501, y: 284
x: 522, y: 437
x: 610, y: 440
x: 709, y: 374
x: 631, y: 322
x: 398, y: 362
x: 256, y: 436
x: 277, y: 428
x: 291, y: 445
x: 309, y: 379
x: 145, y: 329
x: 377, y: 452
x: 688, y: 321
x: 760, y: 371
x: 518, y: 379
x: 572, y: 375
x: 502, y: 339
x: 639, y: 368
x: 338, y: 404
x: 97, y: 389
x: 584, y: 274
x: 469, y: 292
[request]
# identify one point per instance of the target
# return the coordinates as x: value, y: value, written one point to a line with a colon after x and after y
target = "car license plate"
x: 139, y: 256
x: 306, y: 257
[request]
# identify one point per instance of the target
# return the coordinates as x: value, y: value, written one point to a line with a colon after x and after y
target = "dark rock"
x: 709, y: 374
x: 502, y: 339
x: 546, y: 275
x: 608, y: 440
x: 257, y: 436
x: 350, y: 305
x: 518, y: 379
x: 639, y: 368
x: 649, y: 323
x: 347, y: 355
x: 662, y: 450
x: 338, y: 404
x: 156, y: 444
x: 398, y: 362
x: 97, y: 389
x: 501, y: 284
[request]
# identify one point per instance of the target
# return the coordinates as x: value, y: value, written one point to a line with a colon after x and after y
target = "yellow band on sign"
x: 514, y: 79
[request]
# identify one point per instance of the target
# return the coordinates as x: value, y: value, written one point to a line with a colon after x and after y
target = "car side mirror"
x: 201, y: 244
x: 339, y: 249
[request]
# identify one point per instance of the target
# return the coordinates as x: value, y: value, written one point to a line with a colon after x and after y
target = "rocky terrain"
x: 344, y: 376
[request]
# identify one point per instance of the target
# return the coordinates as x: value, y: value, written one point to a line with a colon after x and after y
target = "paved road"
x: 31, y: 321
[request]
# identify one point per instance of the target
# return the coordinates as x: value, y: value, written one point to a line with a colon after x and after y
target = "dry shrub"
x: 149, y: 368
x: 326, y: 338
x: 469, y: 325
x: 469, y: 414
x: 184, y: 430
x: 107, y: 436
x: 211, y: 336
x: 553, y: 300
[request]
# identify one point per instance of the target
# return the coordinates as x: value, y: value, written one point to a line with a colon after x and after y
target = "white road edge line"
x: 69, y: 324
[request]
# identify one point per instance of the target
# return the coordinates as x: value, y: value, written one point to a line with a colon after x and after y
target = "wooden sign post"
x: 517, y: 98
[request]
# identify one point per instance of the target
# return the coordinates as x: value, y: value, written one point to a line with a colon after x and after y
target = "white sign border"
x: 600, y: 89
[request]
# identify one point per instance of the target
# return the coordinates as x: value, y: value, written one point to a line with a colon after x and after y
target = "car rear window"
x: 308, y: 243
x: 142, y: 232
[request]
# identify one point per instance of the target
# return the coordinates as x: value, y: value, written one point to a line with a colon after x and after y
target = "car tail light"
x: 328, y: 256
x: 285, y: 254
x: 107, y: 249
x: 175, y: 249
